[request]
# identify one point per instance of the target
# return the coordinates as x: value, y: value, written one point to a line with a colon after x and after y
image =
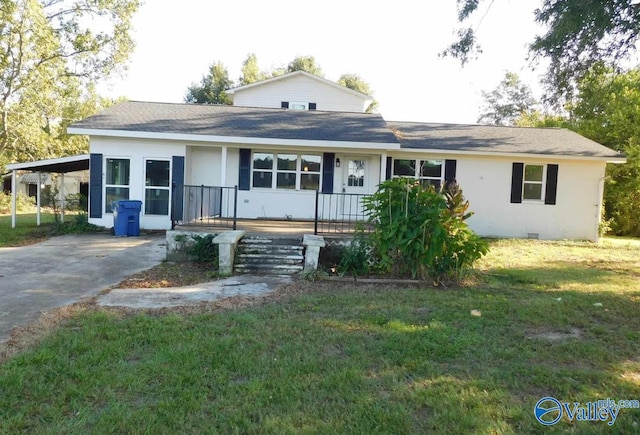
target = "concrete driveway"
x: 64, y: 269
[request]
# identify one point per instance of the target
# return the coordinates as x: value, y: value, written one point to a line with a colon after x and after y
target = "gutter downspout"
x: 13, y: 198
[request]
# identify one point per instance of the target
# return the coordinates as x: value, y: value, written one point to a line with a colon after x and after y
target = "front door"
x: 355, y: 183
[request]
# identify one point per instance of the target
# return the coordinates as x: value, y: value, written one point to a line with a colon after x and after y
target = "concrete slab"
x: 64, y: 269
x: 242, y: 285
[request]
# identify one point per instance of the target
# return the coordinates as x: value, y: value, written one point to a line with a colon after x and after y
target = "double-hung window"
x: 429, y: 172
x: 532, y: 186
x: 286, y: 171
x: 156, y: 191
x: 117, y: 181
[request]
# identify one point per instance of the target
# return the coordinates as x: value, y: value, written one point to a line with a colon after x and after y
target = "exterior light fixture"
x: 337, y: 163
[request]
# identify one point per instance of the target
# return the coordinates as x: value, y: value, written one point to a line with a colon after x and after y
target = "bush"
x: 23, y: 203
x: 203, y: 250
x: 422, y: 232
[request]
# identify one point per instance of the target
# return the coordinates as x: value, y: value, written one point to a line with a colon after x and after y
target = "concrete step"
x: 269, y: 255
x: 269, y: 269
x: 258, y: 258
x: 271, y: 249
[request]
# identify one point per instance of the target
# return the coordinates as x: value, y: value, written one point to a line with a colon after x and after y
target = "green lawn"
x: 26, y: 230
x: 557, y: 319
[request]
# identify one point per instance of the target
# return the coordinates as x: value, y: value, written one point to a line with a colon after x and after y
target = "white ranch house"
x: 289, y: 136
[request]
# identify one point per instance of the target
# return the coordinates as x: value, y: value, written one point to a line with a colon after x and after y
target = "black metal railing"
x: 204, y: 205
x: 340, y: 213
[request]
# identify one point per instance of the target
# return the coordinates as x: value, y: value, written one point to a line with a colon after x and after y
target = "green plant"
x: 421, y: 231
x: 23, y: 202
x: 203, y: 250
x: 357, y: 257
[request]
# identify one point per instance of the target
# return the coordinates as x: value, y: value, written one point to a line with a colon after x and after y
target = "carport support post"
x: 62, y: 197
x: 38, y: 198
x: 13, y: 198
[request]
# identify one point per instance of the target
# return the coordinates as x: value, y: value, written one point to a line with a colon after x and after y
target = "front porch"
x: 214, y: 209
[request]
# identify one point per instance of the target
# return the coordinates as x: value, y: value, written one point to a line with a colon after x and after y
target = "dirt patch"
x: 170, y: 274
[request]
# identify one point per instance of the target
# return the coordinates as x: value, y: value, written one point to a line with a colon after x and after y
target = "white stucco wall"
x: 487, y: 185
x: 486, y: 182
x: 300, y: 89
x: 137, y: 150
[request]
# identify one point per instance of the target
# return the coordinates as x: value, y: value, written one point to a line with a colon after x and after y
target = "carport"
x: 60, y: 166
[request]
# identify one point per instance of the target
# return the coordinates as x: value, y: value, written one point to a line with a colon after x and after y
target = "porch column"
x: 38, y: 198
x: 383, y: 167
x: 13, y: 198
x: 223, y: 167
x: 62, y: 197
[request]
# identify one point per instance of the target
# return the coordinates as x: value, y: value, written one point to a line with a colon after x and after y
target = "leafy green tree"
x: 578, y: 34
x: 212, y: 87
x: 251, y: 71
x: 607, y: 110
x: 357, y: 83
x: 49, y: 51
x: 508, y: 102
x: 305, y: 63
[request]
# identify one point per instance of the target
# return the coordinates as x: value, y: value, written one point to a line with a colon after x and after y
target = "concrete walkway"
x: 241, y: 285
x: 64, y: 269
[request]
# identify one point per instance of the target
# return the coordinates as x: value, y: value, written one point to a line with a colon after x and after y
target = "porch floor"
x: 279, y: 227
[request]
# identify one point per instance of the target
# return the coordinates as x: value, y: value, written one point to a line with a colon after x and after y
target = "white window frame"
x: 298, y: 172
x: 541, y: 183
x: 107, y: 207
x: 301, y: 105
x: 168, y: 188
x: 417, y: 170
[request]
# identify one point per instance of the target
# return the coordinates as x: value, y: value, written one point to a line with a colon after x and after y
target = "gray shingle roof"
x: 213, y: 120
x: 495, y: 139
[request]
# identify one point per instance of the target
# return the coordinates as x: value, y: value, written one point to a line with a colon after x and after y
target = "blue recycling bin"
x: 126, y: 217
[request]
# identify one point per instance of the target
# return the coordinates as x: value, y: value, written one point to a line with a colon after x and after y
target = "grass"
x: 26, y: 231
x: 352, y: 359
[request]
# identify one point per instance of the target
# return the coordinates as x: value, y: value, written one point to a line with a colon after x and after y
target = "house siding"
x: 486, y: 183
x: 300, y: 89
x: 136, y: 151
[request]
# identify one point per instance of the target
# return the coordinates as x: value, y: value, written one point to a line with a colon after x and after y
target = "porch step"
x: 276, y: 255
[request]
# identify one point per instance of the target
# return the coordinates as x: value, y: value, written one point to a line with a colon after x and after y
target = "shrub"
x: 203, y: 250
x: 23, y: 202
x: 421, y: 231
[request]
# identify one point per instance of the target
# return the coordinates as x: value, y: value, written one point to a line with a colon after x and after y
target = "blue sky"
x: 394, y: 46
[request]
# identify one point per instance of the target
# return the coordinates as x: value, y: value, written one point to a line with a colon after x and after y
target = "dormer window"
x: 297, y: 105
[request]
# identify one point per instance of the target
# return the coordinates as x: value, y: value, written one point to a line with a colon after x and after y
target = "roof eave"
x: 235, y: 140
x: 542, y: 156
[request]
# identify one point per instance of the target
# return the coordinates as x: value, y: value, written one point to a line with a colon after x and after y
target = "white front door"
x: 355, y: 175
x: 355, y: 182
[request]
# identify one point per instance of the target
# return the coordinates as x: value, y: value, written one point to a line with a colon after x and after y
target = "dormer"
x: 300, y: 90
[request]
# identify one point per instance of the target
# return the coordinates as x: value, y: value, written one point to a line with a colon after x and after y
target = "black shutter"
x: 449, y: 170
x: 284, y: 105
x: 177, y: 180
x: 516, y: 182
x: 95, y: 185
x: 552, y: 185
x: 389, y: 173
x: 328, y: 160
x: 312, y: 106
x: 244, y: 175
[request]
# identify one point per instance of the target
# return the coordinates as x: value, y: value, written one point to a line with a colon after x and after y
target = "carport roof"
x: 59, y: 165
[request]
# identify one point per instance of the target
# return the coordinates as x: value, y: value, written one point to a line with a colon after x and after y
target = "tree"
x: 251, y: 71
x: 356, y: 83
x: 508, y: 102
x: 48, y: 48
x: 212, y: 87
x: 579, y: 33
x: 305, y: 63
x: 607, y: 110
